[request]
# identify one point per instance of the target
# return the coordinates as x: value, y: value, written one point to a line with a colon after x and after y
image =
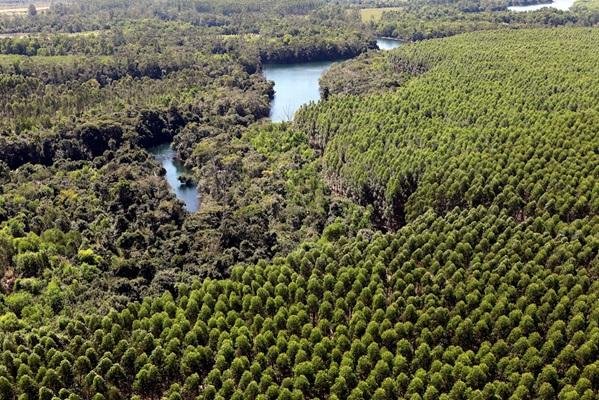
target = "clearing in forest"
x: 375, y: 14
x: 18, y: 8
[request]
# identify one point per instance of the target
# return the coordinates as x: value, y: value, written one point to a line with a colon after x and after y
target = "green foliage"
x: 460, y: 133
x: 425, y: 19
x: 80, y: 186
x: 438, y: 308
x: 465, y: 268
x: 16, y: 302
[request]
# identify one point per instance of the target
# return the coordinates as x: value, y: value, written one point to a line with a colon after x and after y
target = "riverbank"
x: 186, y: 191
x: 297, y: 84
x: 563, y: 5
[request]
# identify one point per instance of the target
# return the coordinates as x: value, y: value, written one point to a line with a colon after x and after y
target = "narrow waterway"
x: 187, y: 193
x: 563, y: 5
x: 295, y: 85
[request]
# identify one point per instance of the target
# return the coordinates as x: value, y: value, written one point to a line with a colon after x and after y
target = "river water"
x: 188, y: 194
x: 563, y: 5
x: 387, y: 43
x: 297, y: 84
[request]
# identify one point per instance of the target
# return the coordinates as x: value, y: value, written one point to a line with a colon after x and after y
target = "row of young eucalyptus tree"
x: 474, y: 304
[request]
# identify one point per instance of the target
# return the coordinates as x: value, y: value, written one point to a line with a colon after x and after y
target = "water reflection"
x: 387, y: 43
x: 563, y: 5
x: 295, y: 85
x: 187, y: 193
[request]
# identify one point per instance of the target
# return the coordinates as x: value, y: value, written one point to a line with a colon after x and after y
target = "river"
x: 387, y: 43
x: 188, y: 194
x: 297, y: 84
x: 563, y: 5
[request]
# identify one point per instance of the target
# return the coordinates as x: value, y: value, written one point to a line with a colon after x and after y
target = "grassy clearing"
x: 11, y: 59
x: 20, y: 8
x: 33, y: 34
x: 375, y: 14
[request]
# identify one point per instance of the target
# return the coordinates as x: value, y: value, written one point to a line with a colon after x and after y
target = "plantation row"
x: 503, y: 118
x: 428, y: 231
x: 470, y: 305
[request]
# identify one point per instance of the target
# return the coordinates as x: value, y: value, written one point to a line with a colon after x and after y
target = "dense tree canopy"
x: 80, y: 110
x: 510, y: 121
x: 429, y: 230
x: 426, y: 19
x: 474, y: 304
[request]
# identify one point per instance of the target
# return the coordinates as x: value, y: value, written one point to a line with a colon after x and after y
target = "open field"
x: 17, y: 8
x: 375, y: 14
x: 33, y: 34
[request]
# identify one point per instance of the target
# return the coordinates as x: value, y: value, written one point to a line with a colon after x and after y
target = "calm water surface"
x: 188, y: 194
x: 387, y: 43
x: 295, y: 85
x: 559, y: 4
